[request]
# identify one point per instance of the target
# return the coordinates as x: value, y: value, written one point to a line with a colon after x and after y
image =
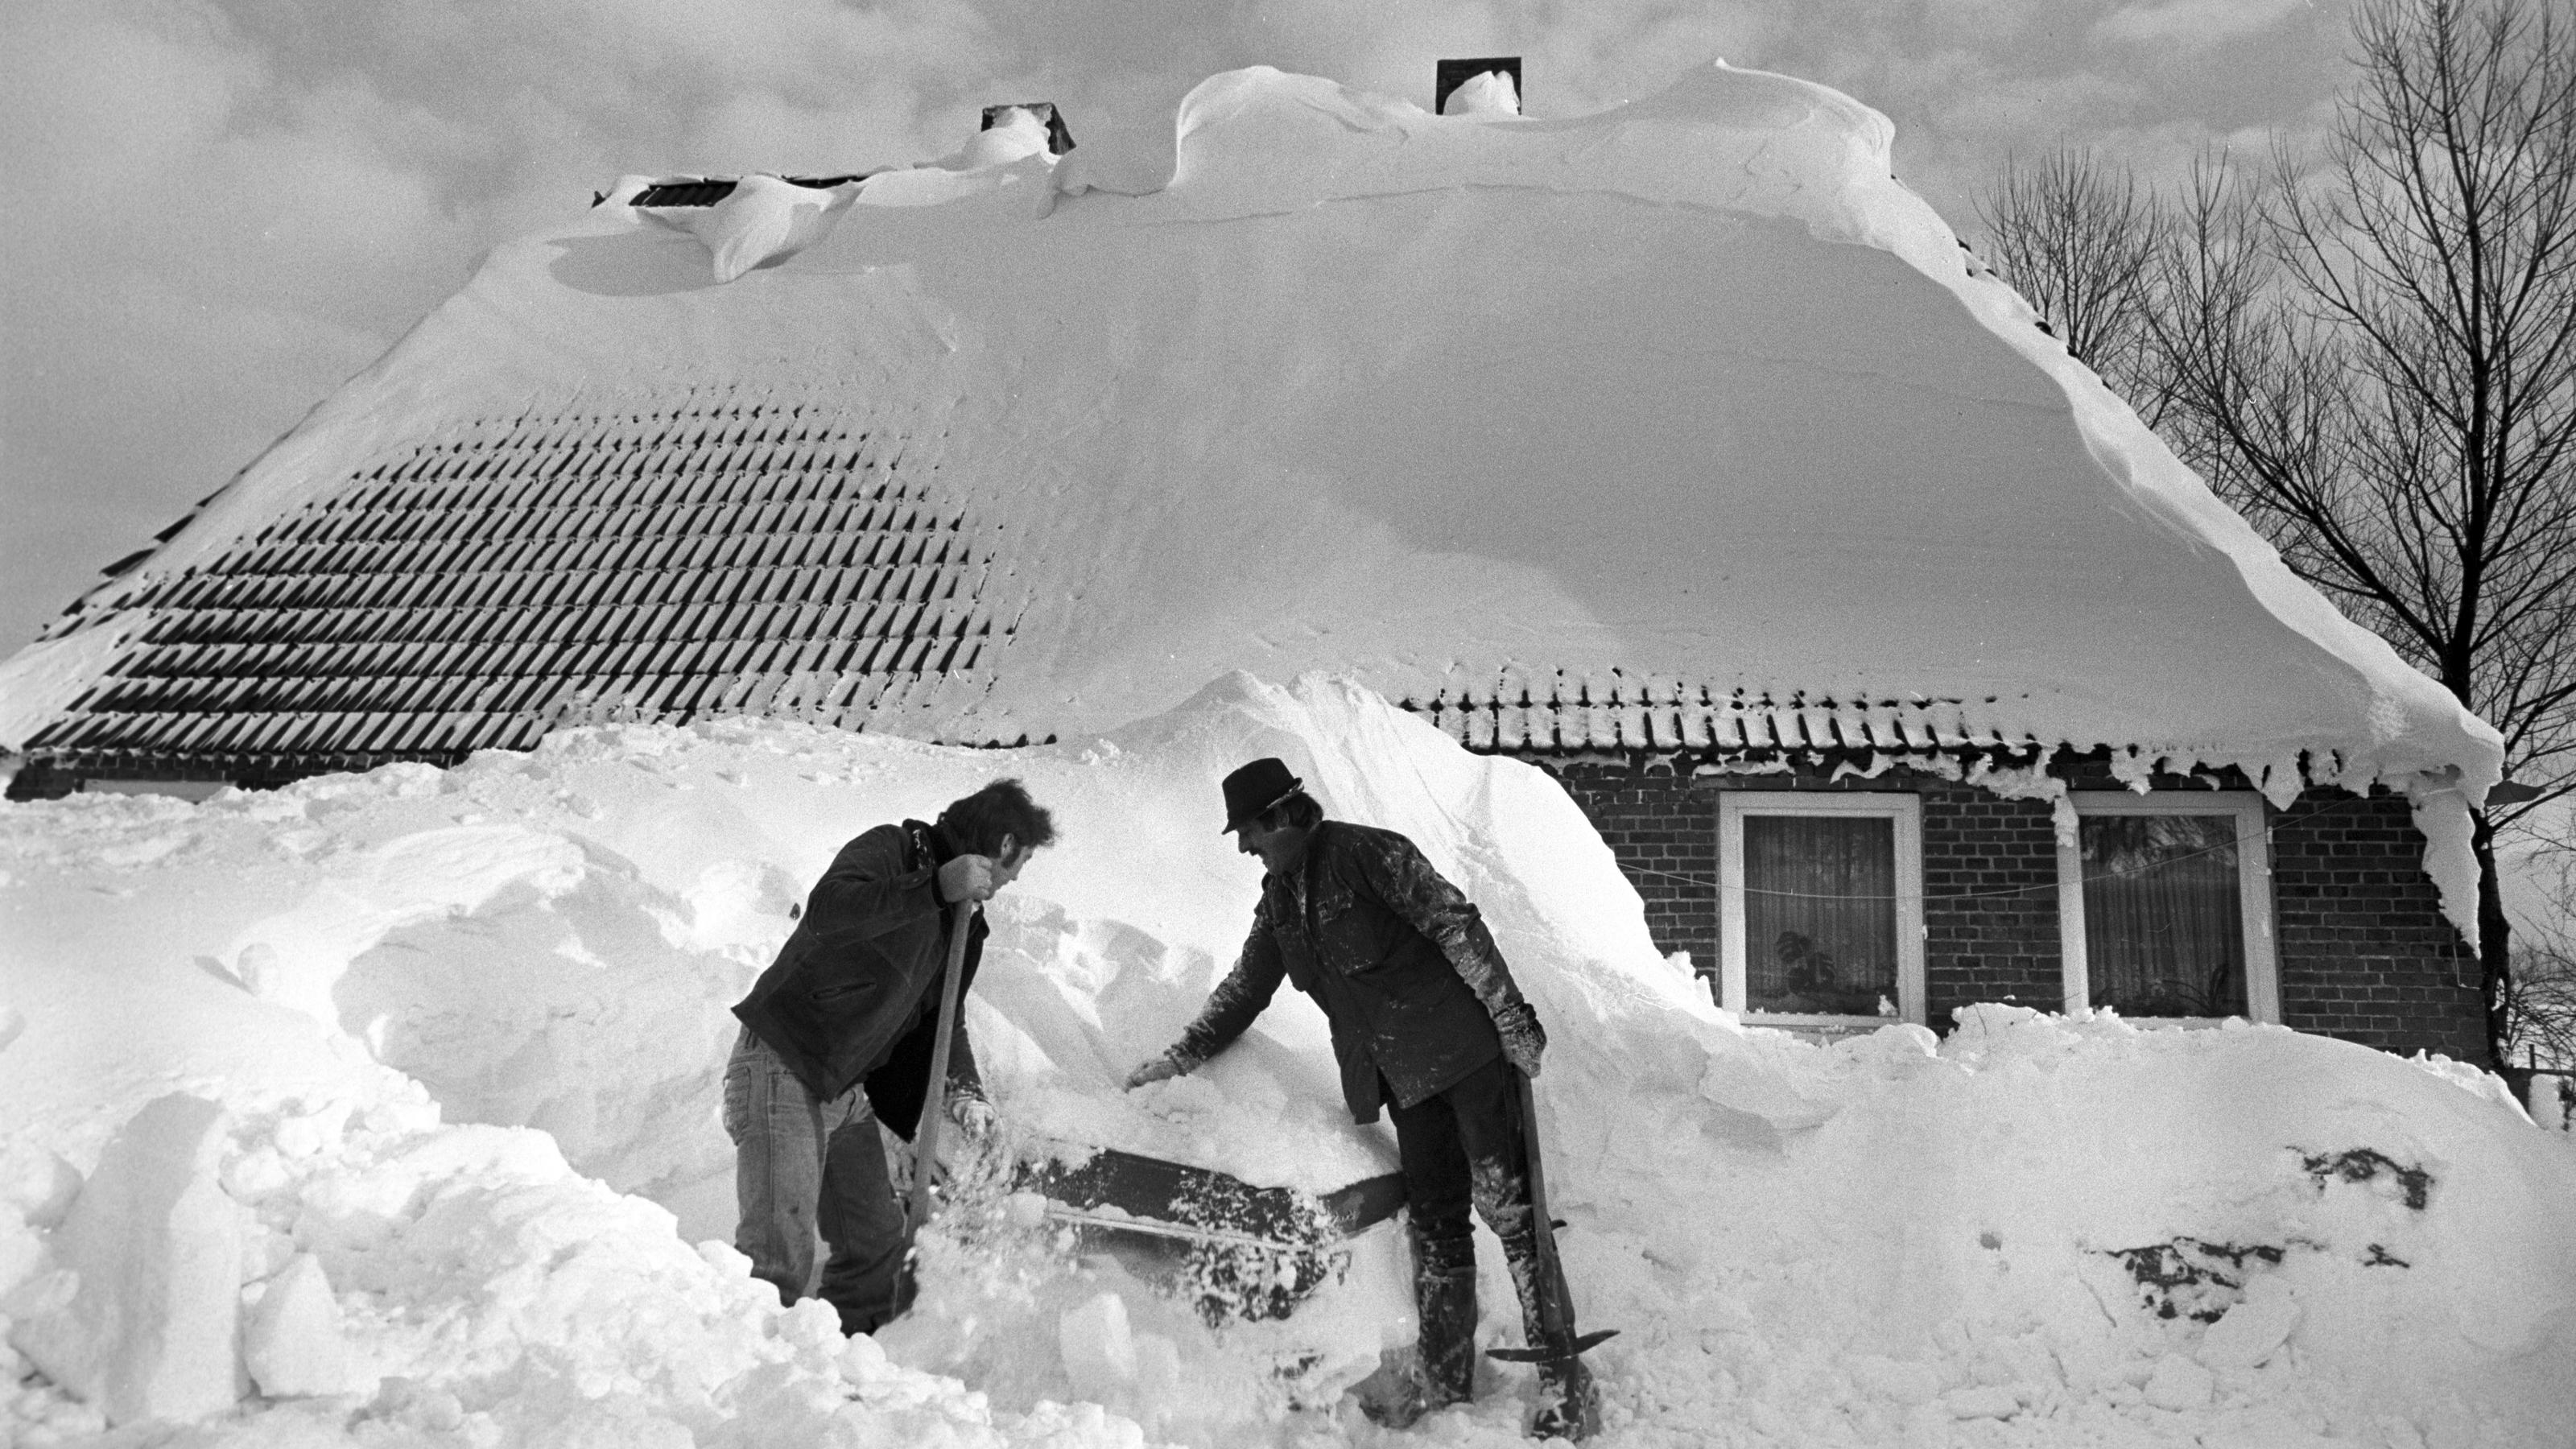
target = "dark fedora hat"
x: 1255, y: 788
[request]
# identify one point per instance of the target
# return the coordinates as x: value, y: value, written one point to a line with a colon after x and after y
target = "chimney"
x: 1488, y: 85
x: 1059, y: 139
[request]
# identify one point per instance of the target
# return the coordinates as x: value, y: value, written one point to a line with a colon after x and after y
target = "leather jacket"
x: 1400, y: 961
x: 854, y: 994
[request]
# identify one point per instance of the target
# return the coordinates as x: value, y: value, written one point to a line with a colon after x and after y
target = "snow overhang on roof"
x: 1689, y: 389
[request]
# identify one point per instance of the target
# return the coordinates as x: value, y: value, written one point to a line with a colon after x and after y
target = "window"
x: 1820, y: 906
x: 2165, y: 906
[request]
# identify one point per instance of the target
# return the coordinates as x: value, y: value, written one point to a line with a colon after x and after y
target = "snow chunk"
x: 2442, y: 814
x: 37, y: 1184
x: 2254, y: 1329
x: 1099, y: 1351
x: 2180, y: 1384
x: 154, y: 1247
x: 1981, y: 1401
x: 293, y: 1344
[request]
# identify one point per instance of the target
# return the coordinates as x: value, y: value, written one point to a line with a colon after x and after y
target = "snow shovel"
x: 1581, y: 1411
x: 1245, y: 1250
x: 934, y: 1107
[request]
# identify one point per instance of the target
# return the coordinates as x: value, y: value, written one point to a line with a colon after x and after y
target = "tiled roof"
x: 477, y: 588
x: 1616, y: 713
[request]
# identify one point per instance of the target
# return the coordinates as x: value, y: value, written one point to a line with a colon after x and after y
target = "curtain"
x: 2163, y: 924
x: 1819, y: 913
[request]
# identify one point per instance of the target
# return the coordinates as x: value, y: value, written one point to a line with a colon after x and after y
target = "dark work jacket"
x: 1400, y: 962
x: 854, y: 994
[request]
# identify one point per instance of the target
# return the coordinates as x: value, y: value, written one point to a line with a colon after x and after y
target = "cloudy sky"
x: 222, y: 210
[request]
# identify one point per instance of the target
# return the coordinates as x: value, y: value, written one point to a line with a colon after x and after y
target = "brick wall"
x: 2365, y: 953
x: 1989, y: 901
x: 1664, y: 832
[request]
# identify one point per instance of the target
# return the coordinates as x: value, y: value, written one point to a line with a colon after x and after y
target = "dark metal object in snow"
x: 2189, y: 1278
x: 2361, y: 1164
x: 1580, y: 1414
x: 1239, y: 1249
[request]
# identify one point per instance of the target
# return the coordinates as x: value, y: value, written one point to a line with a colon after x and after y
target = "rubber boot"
x: 1446, y: 1301
x: 1442, y: 1370
x: 1569, y: 1406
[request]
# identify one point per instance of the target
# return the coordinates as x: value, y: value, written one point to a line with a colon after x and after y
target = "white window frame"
x: 1905, y: 809
x: 2253, y: 892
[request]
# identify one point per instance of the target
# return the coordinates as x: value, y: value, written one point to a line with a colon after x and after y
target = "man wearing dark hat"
x: 1427, y: 1022
x: 839, y: 1034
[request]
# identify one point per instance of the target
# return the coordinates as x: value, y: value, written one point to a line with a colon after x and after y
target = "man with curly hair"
x: 839, y: 1034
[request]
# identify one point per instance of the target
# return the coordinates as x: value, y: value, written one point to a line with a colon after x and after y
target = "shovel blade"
x: 1241, y: 1250
x: 1582, y: 1345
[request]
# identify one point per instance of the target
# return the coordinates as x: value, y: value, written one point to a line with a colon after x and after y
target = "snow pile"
x: 276, y: 1068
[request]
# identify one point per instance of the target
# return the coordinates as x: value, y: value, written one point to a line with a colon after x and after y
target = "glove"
x: 975, y: 1117
x: 963, y: 1152
x: 1523, y: 1038
x: 1154, y: 1071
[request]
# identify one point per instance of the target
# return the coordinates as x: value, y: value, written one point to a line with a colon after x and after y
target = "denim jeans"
x: 801, y: 1165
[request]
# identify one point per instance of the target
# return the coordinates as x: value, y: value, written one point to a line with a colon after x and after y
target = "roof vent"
x: 1487, y: 85
x: 1059, y: 139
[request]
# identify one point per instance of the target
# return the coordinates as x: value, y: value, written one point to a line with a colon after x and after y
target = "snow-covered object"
x: 1690, y: 389
x: 1015, y: 134
x: 2030, y: 1234
x: 1486, y: 93
x: 762, y: 220
x: 148, y: 1266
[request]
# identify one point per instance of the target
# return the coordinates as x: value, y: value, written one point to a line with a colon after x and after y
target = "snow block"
x: 2252, y: 1332
x: 2179, y: 1384
x: 1099, y: 1351
x: 154, y: 1246
x: 1981, y: 1401
x: 293, y: 1345
x: 37, y: 1184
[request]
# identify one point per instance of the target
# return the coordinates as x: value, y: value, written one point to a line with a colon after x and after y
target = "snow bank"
x: 447, y: 1026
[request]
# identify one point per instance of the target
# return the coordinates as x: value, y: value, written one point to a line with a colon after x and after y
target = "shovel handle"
x: 934, y: 1103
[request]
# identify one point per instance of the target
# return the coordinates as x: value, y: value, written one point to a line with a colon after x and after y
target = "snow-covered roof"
x: 1690, y: 391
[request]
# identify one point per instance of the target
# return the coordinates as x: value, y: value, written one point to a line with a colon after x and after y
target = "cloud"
x: 2195, y: 24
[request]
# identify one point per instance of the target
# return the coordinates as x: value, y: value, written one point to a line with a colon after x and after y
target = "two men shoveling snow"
x: 1424, y: 1014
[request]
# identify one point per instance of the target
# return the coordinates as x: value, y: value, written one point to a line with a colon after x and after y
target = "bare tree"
x: 2395, y: 405
x: 2374, y: 359
x: 2075, y: 235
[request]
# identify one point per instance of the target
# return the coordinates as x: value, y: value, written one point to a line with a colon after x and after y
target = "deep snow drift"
x: 1890, y: 1241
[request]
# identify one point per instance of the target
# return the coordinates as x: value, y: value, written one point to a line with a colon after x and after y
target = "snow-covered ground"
x: 395, y: 1098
